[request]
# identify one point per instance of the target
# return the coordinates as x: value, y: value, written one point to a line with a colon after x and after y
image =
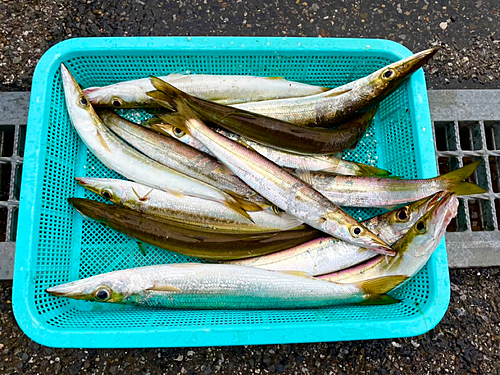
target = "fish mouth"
x: 382, y: 248
x: 81, y: 181
x: 445, y: 210
x: 69, y: 83
x: 69, y: 290
x: 411, y: 64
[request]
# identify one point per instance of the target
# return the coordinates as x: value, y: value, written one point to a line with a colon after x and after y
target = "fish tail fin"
x: 453, y: 181
x: 289, y: 222
x: 381, y: 285
x: 181, y: 118
x: 165, y: 93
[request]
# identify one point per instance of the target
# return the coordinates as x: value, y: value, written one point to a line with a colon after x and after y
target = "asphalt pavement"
x: 467, y: 341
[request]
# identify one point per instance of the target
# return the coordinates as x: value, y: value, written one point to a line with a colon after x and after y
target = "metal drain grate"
x: 13, y: 119
x: 466, y: 128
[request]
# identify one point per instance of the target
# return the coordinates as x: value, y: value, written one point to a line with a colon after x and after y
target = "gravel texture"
x: 468, y: 31
x: 467, y: 341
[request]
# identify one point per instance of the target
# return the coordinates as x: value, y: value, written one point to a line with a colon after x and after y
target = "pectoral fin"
x: 164, y: 288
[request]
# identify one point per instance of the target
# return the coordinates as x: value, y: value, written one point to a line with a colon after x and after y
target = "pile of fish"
x: 246, y: 173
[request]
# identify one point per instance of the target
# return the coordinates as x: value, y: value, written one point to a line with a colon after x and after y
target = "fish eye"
x: 116, y: 102
x: 421, y: 227
x: 83, y: 101
x: 178, y: 132
x: 388, y: 74
x: 102, y: 294
x: 107, y: 193
x: 276, y: 210
x: 356, y: 231
x: 402, y: 214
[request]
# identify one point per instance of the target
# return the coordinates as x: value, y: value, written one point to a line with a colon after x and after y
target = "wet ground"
x: 468, y: 31
x: 467, y: 341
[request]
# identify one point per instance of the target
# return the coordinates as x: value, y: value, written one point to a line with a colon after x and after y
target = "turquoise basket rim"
x: 32, y: 180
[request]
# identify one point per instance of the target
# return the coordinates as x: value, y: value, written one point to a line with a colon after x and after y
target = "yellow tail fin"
x: 453, y: 181
x: 381, y: 285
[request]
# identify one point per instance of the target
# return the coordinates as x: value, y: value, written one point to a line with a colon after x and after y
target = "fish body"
x: 281, y: 188
x: 266, y: 130
x: 189, y: 211
x: 125, y: 160
x: 223, y: 89
x: 327, y: 254
x: 180, y: 157
x: 340, y: 104
x: 187, y: 240
x: 387, y: 192
x: 324, y: 163
x: 413, y: 250
x: 215, y: 286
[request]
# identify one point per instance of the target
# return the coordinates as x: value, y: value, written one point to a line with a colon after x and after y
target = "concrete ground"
x: 468, y: 338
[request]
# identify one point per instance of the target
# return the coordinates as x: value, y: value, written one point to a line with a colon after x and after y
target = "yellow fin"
x: 336, y: 93
x: 102, y: 141
x: 304, y: 173
x: 235, y: 205
x: 298, y: 274
x: 244, y: 203
x: 381, y: 285
x: 453, y: 181
x: 460, y: 174
x: 161, y: 99
x: 164, y: 288
x: 274, y: 78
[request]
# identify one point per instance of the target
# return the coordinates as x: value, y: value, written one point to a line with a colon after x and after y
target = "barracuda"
x: 413, y: 250
x: 327, y: 254
x: 341, y: 104
x: 123, y: 159
x: 186, y: 211
x: 186, y: 240
x: 272, y: 132
x: 219, y: 88
x: 387, y: 192
x: 279, y: 187
x: 219, y: 286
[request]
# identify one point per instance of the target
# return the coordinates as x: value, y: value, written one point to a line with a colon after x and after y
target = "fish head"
x: 358, y: 234
x: 418, y: 244
x: 384, y: 81
x: 119, y: 95
x: 113, y: 287
x: 78, y: 105
x: 403, y: 218
x: 106, y: 188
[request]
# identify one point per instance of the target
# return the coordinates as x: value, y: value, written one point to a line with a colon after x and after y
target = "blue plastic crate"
x: 55, y: 245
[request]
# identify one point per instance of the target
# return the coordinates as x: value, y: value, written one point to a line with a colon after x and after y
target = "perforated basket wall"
x: 56, y: 245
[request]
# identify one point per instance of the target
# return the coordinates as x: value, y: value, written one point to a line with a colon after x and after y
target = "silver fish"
x: 182, y: 158
x: 223, y: 89
x: 280, y: 187
x: 413, y: 249
x: 185, y: 210
x: 325, y: 255
x: 340, y: 104
x: 123, y: 159
x: 387, y: 192
x: 218, y: 286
